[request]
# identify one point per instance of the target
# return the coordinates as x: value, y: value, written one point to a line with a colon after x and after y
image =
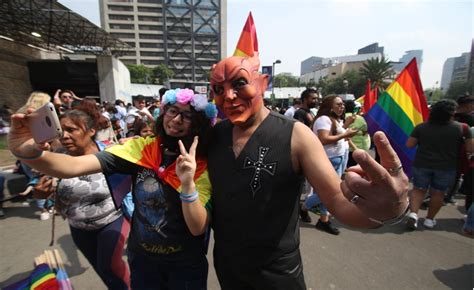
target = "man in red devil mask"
x: 257, y: 163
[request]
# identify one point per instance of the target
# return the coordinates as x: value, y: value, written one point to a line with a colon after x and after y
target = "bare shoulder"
x: 302, y: 136
x: 303, y: 141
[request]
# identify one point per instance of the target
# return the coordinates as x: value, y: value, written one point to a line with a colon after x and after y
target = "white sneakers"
x: 412, y: 221
x: 429, y: 223
x: 44, y: 216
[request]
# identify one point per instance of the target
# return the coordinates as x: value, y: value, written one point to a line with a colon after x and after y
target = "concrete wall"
x: 15, y: 86
x: 114, y: 79
x: 14, y: 78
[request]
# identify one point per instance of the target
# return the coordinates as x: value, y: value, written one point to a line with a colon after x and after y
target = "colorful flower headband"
x: 187, y: 96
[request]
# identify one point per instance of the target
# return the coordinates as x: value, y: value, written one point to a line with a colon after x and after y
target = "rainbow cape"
x: 398, y: 110
x: 248, y: 43
x: 146, y: 152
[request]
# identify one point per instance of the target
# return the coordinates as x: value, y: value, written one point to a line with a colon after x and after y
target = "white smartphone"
x: 44, y: 124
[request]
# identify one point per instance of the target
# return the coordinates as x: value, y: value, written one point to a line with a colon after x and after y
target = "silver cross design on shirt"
x: 259, y: 167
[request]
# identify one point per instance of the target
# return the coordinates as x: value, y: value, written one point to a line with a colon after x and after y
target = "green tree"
x: 377, y: 70
x: 433, y: 95
x: 355, y: 84
x: 162, y: 73
x: 459, y: 88
x: 310, y: 84
x: 141, y: 74
x: 285, y: 80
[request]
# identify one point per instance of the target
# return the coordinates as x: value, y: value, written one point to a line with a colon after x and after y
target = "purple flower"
x: 184, y: 96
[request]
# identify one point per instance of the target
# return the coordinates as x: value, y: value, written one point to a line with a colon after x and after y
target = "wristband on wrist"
x: 188, y: 198
x: 394, y: 220
x: 38, y: 154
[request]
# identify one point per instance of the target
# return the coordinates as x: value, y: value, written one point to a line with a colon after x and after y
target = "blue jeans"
x: 2, y: 184
x: 469, y: 225
x: 338, y: 163
x: 147, y: 273
x: 34, y: 178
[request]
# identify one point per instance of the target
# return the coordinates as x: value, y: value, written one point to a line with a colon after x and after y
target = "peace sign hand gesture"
x: 186, y: 165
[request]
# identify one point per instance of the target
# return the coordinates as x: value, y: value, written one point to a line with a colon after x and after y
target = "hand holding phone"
x: 44, y: 124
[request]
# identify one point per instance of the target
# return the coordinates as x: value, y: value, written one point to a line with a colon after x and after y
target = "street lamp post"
x: 273, y: 79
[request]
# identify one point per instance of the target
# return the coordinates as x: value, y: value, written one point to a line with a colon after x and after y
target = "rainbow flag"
x: 146, y: 152
x: 370, y: 97
x: 248, y: 43
x: 42, y: 278
x: 398, y: 110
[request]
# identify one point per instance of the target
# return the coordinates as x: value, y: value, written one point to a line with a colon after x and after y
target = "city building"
x: 371, y: 48
x: 187, y: 36
x: 461, y: 68
x: 406, y: 58
x: 334, y: 67
x: 38, y: 40
x: 315, y: 68
x: 309, y: 65
x: 447, y: 74
x: 455, y: 69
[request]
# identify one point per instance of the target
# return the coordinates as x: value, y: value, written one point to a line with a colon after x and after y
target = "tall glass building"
x: 188, y: 36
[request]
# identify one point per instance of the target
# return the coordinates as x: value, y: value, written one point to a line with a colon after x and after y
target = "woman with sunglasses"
x: 171, y: 189
x: 329, y: 128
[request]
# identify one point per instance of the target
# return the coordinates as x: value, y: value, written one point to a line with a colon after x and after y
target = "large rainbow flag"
x: 248, y: 43
x: 398, y: 110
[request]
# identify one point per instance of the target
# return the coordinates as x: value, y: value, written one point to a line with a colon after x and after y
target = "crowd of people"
x: 188, y: 173
x: 443, y: 161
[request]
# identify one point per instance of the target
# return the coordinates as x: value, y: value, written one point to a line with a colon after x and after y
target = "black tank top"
x: 256, y: 195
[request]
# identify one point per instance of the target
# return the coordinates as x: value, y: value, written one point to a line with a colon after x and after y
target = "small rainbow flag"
x: 42, y: 278
x: 398, y: 110
x: 370, y: 97
x: 248, y: 43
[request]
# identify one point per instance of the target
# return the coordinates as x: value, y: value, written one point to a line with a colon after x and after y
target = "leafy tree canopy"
x: 457, y: 89
x: 162, y: 73
x: 141, y: 74
x: 377, y: 70
x: 285, y: 80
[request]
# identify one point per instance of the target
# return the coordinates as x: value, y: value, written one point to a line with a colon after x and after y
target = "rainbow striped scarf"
x: 146, y: 152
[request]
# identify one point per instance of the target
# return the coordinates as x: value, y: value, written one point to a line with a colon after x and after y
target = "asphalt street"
x: 386, y: 258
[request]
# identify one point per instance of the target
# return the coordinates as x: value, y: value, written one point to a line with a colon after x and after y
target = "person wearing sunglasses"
x: 63, y: 100
x: 170, y: 186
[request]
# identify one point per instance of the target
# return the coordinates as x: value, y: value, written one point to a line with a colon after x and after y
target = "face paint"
x: 238, y: 87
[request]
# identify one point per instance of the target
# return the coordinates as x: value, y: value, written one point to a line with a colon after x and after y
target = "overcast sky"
x: 293, y: 30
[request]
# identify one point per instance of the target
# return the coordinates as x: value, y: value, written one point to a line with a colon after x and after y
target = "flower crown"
x: 187, y: 96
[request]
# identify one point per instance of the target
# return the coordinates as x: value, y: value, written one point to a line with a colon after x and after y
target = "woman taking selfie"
x: 98, y: 230
x: 171, y: 189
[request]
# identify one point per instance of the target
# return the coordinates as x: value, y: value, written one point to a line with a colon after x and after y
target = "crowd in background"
x: 339, y: 125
